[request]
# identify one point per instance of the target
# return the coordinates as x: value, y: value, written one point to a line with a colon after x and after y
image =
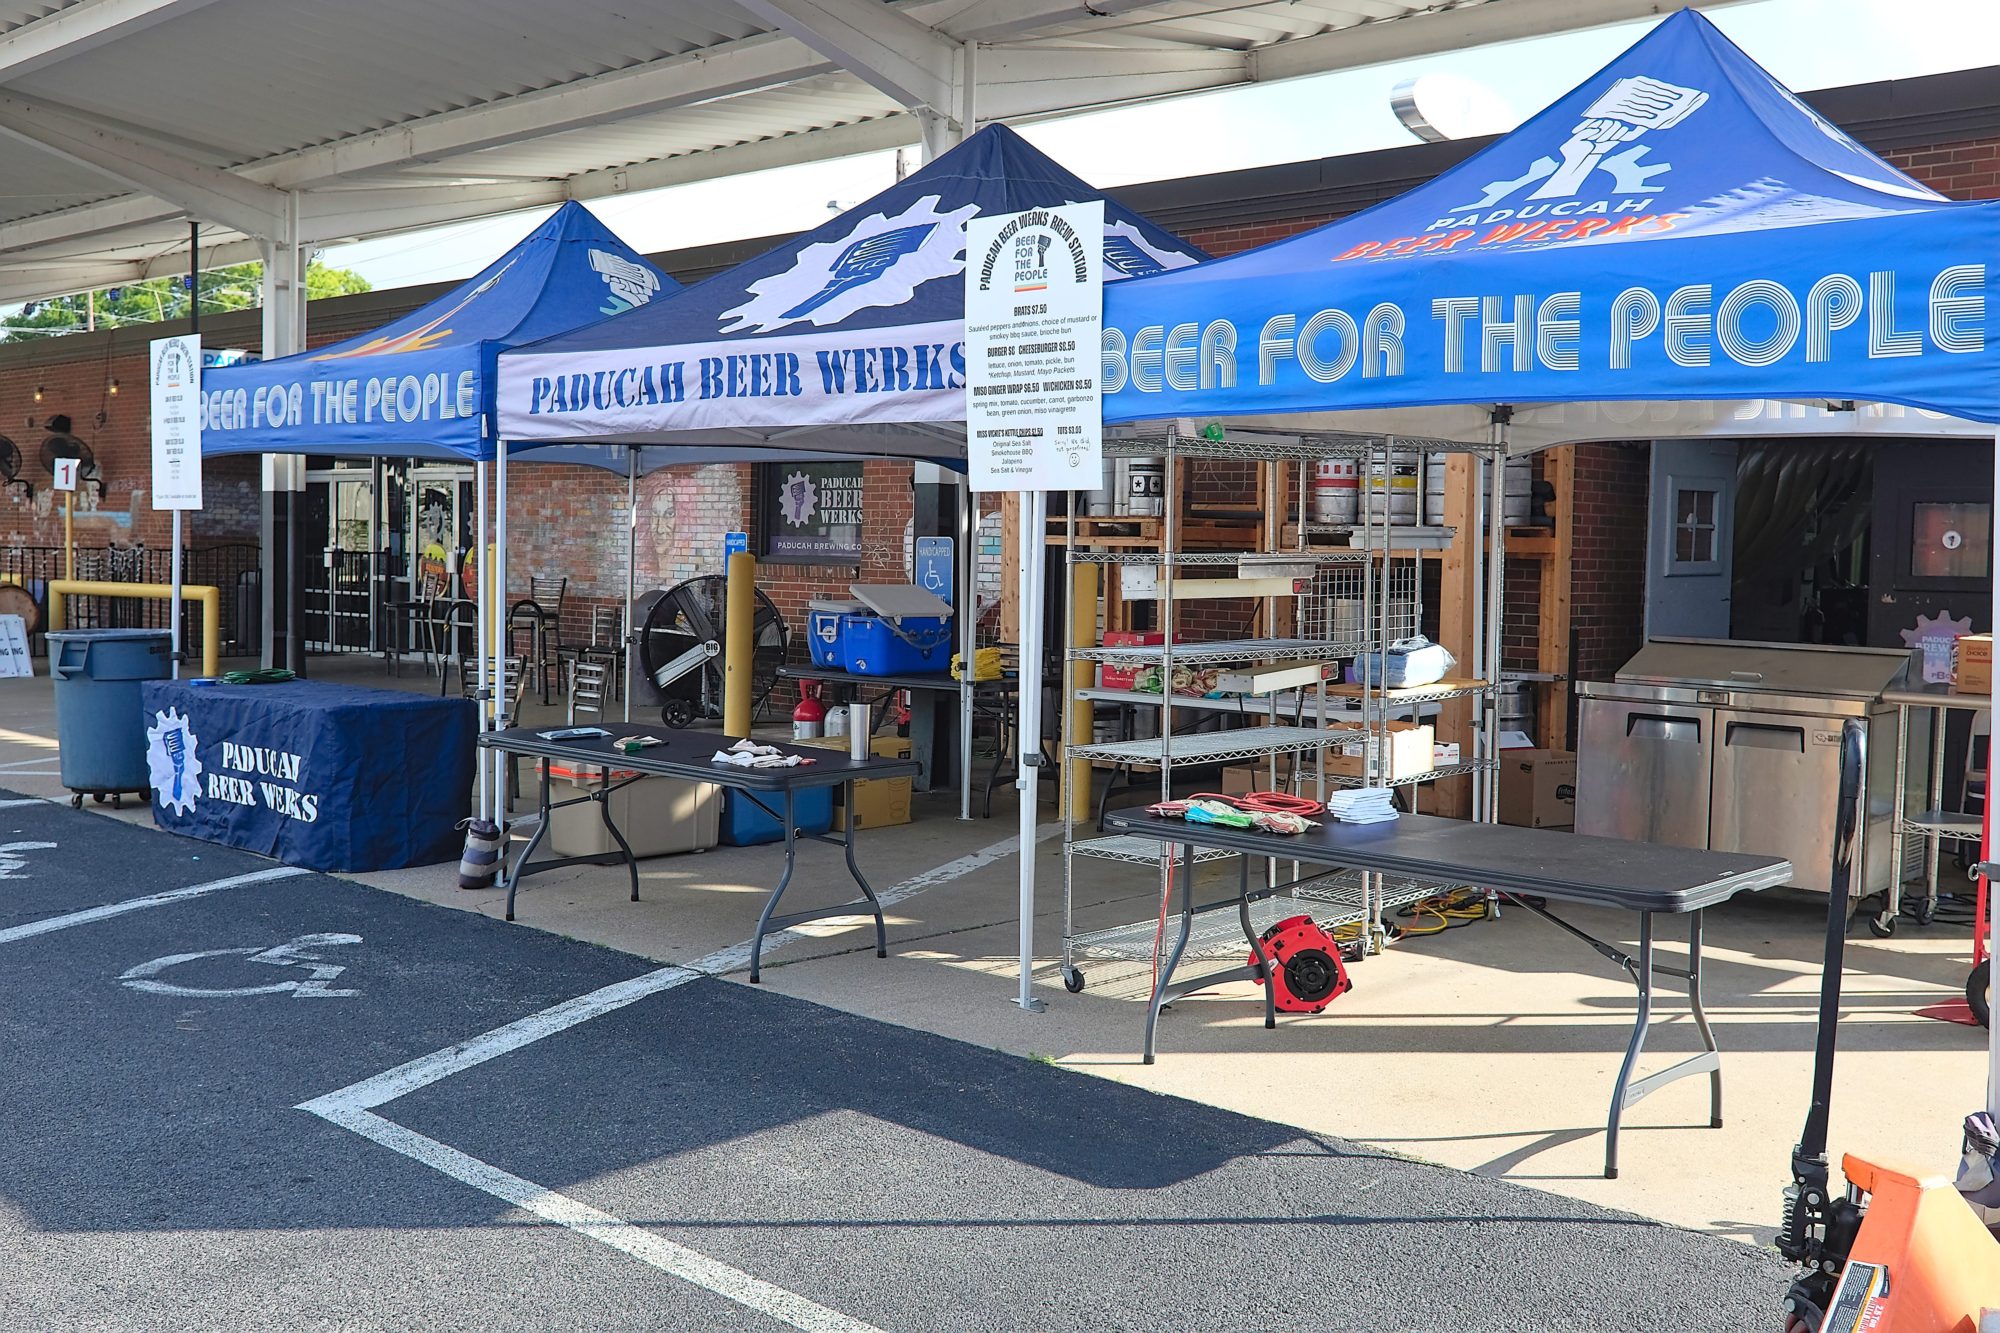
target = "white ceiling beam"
x: 208, y: 192
x: 82, y: 27
x: 999, y: 20
x: 1453, y: 29
x: 332, y: 215
x: 1035, y: 80
x: 658, y: 85
x: 895, y: 53
x: 870, y: 136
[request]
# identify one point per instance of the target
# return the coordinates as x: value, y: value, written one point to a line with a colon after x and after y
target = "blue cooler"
x: 910, y: 646
x: 746, y: 823
x: 823, y: 619
x: 909, y: 632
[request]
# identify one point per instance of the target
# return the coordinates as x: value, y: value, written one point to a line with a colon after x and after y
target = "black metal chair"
x: 535, y: 623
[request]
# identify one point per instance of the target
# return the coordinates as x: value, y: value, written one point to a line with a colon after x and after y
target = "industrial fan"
x: 10, y: 468
x: 59, y: 443
x: 685, y: 617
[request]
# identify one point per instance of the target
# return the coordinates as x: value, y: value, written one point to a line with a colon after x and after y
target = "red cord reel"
x: 1310, y: 975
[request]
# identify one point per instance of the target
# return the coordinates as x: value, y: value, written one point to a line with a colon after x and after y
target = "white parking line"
x: 12, y: 802
x: 352, y: 1108
x: 90, y: 914
x: 691, y: 1266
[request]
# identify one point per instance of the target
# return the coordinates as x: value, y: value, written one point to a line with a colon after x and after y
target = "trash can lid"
x: 108, y: 635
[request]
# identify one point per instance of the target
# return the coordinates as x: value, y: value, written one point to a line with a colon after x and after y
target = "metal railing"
x: 230, y: 567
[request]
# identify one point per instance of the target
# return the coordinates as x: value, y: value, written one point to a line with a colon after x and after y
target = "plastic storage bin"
x: 872, y: 646
x: 745, y: 823
x: 100, y: 722
x: 658, y: 816
x: 823, y: 618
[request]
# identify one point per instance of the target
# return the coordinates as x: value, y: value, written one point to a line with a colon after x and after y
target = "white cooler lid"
x: 837, y: 606
x: 893, y: 601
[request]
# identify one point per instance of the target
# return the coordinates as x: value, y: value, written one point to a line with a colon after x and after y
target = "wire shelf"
x: 1216, y: 934
x: 1416, y: 694
x: 1140, y: 851
x: 1428, y: 775
x: 1309, y: 556
x: 1344, y: 605
x: 1222, y: 650
x: 1210, y: 747
x: 1944, y: 824
x: 1261, y: 447
x: 1342, y: 890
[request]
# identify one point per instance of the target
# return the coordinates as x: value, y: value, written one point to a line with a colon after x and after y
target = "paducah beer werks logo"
x: 1599, y: 184
x: 632, y: 285
x: 171, y: 762
x: 881, y: 261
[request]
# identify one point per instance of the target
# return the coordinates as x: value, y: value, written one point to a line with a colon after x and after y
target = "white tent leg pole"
x: 631, y: 566
x: 174, y: 612
x: 1992, y: 898
x: 1496, y: 585
x: 479, y: 630
x: 498, y: 561
x: 968, y: 634
x: 1034, y: 523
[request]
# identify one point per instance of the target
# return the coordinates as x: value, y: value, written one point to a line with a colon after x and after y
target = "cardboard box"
x: 1410, y: 751
x: 1973, y: 672
x: 1122, y: 675
x: 1538, y: 788
x: 658, y: 816
x: 878, y: 802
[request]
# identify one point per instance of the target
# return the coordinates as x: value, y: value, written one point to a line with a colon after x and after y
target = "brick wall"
x: 1608, y: 569
x: 1966, y: 170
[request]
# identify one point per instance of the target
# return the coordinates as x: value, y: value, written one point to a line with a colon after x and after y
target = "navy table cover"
x: 330, y: 777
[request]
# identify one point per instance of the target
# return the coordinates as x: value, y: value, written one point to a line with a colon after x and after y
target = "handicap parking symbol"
x: 297, y: 953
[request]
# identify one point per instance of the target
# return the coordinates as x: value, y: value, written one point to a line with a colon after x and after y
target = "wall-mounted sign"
x: 176, y: 381
x: 812, y: 513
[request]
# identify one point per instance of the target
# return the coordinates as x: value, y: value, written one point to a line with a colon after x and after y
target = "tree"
x: 237, y: 287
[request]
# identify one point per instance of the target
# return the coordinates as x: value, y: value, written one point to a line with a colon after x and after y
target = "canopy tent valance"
x: 856, y: 326
x: 1679, y: 227
x: 421, y: 387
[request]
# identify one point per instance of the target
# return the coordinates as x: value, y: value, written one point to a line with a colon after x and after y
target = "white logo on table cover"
x: 14, y: 858
x: 172, y: 763
x: 881, y: 262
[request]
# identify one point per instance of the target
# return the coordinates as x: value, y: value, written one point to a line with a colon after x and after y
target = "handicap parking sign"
x: 934, y: 566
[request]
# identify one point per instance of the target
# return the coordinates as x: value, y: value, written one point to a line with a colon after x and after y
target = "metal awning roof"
x: 121, y: 119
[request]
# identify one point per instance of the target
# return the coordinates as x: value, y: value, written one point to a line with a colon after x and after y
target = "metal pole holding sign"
x: 1034, y: 422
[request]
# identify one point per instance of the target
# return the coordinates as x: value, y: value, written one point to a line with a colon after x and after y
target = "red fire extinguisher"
x: 809, y: 718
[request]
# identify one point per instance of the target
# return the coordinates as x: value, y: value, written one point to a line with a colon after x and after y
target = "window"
x: 1694, y: 527
x: 1950, y: 540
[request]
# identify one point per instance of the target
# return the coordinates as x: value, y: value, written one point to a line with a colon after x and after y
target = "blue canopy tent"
x: 1678, y: 229
x: 846, y: 340
x: 422, y: 386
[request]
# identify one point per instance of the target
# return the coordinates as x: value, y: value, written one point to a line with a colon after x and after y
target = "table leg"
x: 771, y: 904
x: 1256, y: 945
x: 603, y: 799
x: 1180, y: 947
x: 528, y: 852
x: 1701, y: 1022
x: 867, y: 889
x: 1643, y: 973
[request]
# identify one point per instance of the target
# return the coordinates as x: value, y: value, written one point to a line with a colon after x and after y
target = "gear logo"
x: 799, y: 499
x: 631, y: 285
x: 1602, y: 140
x: 881, y: 261
x: 174, y: 767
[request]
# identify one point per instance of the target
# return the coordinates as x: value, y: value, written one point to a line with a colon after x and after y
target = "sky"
x: 1807, y: 44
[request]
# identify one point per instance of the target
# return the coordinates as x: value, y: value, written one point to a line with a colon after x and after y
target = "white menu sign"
x: 176, y: 381
x: 1034, y: 311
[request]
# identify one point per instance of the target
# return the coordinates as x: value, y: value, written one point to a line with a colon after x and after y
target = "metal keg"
x: 1518, y: 493
x: 1517, y: 706
x: 1336, y: 491
x: 1104, y: 500
x: 1146, y: 486
x: 1392, y: 492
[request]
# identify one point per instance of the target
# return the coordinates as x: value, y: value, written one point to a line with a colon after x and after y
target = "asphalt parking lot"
x: 242, y: 1097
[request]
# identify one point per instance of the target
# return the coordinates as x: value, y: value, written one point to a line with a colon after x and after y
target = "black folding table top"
x: 691, y: 755
x: 1606, y: 872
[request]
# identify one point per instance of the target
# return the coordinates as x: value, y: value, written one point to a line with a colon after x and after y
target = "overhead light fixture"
x: 38, y: 393
x: 113, y: 388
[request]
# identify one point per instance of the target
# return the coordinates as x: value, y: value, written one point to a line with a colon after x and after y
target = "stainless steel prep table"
x: 690, y: 755
x: 1603, y: 872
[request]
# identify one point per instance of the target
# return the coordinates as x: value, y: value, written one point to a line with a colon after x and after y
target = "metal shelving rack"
x: 1360, y: 599
x: 1930, y: 826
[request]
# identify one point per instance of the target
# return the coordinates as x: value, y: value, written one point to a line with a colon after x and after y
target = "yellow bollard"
x: 1082, y: 675
x: 209, y: 599
x: 739, y: 632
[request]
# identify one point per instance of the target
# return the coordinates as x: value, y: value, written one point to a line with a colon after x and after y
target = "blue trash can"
x: 99, y: 720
